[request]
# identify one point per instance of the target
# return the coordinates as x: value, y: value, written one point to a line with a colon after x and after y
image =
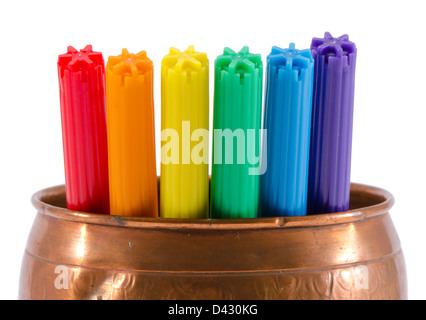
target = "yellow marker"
x: 131, y: 140
x: 184, y: 187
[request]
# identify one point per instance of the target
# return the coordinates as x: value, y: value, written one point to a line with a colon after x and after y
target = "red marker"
x: 83, y: 113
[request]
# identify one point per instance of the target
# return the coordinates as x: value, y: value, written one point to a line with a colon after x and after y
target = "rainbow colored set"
x: 296, y: 162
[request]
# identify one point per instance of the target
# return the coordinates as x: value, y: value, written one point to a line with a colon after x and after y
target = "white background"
x: 389, y: 119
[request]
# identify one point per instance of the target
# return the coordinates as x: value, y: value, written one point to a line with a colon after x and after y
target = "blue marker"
x: 287, y: 119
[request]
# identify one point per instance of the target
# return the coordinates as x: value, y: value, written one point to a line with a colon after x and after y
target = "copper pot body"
x: 349, y: 255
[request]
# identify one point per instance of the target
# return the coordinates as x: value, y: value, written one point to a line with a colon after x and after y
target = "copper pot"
x: 349, y: 255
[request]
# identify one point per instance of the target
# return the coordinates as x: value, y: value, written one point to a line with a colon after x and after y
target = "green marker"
x: 236, y: 141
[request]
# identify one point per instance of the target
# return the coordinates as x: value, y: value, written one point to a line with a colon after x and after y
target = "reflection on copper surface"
x: 80, y: 246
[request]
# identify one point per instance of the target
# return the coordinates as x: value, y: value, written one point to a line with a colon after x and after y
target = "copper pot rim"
x: 384, y: 199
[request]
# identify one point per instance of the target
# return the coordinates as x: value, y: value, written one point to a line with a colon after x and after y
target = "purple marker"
x: 332, y: 122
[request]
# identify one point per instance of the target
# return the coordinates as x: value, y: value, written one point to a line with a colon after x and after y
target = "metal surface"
x: 350, y: 255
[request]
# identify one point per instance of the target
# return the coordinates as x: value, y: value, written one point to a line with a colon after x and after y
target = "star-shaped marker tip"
x: 291, y: 58
x: 241, y: 62
x: 78, y: 60
x: 129, y: 64
x: 189, y: 59
x: 332, y: 47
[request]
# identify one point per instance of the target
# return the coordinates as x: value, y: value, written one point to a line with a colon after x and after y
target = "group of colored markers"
x: 297, y: 163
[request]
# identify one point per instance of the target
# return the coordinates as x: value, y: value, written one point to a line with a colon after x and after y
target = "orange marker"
x: 131, y: 140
